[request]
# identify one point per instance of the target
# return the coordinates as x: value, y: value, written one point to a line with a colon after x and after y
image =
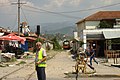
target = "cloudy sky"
x: 50, y: 11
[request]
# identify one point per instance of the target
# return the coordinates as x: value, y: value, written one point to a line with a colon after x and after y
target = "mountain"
x: 66, y: 27
x: 65, y: 30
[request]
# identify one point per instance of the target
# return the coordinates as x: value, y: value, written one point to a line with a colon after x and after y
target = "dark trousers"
x: 92, y: 57
x: 41, y: 73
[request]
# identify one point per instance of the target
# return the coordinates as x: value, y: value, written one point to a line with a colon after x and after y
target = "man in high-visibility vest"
x: 40, y: 61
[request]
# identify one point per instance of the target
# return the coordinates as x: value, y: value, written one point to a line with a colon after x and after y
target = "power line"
x: 24, y: 15
x: 19, y: 5
x: 53, y: 12
x: 83, y: 9
x: 15, y: 23
x: 60, y: 13
x: 39, y: 10
x: 91, y: 8
x: 34, y: 10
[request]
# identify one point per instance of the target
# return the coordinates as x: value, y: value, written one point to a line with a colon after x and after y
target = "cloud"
x: 4, y: 1
x: 53, y: 4
x: 75, y: 2
x: 5, y: 6
x: 107, y: 2
x: 34, y: 15
x: 28, y: 3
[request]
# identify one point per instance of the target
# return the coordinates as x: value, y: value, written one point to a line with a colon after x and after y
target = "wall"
x: 116, y: 26
x: 92, y: 24
x: 80, y: 28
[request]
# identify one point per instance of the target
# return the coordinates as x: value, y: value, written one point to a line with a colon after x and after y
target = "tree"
x: 56, y: 45
x: 105, y: 24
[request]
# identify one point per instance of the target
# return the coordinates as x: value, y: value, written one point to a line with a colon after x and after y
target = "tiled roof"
x: 102, y: 15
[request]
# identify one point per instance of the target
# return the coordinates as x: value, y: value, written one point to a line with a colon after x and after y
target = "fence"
x: 113, y: 54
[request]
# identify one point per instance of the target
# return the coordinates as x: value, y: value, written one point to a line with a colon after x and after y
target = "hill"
x: 66, y: 30
x: 53, y: 28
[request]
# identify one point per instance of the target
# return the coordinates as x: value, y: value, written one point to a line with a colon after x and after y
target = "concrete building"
x: 99, y: 29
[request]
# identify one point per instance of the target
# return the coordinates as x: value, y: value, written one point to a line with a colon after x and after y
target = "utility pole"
x: 19, y: 14
x: 19, y: 17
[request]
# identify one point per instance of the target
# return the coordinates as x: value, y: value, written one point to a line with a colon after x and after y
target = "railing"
x: 113, y: 54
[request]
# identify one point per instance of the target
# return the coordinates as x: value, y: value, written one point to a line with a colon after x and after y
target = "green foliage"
x: 39, y: 40
x: 56, y: 45
x: 114, y: 41
x: 105, y: 24
x: 79, y: 42
x: 26, y: 34
x: 21, y: 62
x: 13, y: 59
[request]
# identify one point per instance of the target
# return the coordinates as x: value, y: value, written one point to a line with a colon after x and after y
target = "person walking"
x: 40, y: 61
x: 92, y: 56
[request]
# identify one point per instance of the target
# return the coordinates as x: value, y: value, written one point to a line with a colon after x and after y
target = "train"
x: 66, y: 45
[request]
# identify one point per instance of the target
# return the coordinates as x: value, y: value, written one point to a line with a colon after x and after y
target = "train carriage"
x: 66, y: 44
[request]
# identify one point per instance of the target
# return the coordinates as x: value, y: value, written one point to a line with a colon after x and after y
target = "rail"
x: 29, y: 76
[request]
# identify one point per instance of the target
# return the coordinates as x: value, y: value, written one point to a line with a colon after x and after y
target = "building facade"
x: 98, y: 28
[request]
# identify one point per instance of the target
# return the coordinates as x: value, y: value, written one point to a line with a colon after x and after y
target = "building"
x: 99, y: 29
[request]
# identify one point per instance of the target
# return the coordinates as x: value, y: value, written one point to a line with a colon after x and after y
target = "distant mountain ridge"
x: 66, y: 30
x: 66, y: 27
x: 59, y: 27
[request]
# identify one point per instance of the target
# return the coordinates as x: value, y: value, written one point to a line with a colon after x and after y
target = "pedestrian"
x: 40, y: 61
x: 92, y: 56
x: 87, y: 51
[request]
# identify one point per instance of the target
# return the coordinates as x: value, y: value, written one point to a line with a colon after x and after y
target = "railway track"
x: 25, y: 72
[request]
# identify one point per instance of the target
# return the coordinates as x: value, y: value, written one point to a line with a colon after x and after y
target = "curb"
x: 105, y: 75
x: 69, y: 75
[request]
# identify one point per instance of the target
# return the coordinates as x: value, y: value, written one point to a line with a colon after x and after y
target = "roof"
x: 105, y: 35
x: 95, y: 37
x: 111, y: 34
x: 102, y: 15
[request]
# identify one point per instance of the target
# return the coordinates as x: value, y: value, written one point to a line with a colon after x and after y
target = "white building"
x: 92, y: 33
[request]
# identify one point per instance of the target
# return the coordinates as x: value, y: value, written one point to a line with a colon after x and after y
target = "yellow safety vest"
x: 40, y: 56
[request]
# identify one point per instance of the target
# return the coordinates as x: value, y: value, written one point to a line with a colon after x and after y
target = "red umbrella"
x: 12, y: 36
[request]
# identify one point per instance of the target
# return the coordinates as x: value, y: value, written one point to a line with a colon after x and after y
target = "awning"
x: 95, y: 37
x: 12, y: 36
x: 111, y: 34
